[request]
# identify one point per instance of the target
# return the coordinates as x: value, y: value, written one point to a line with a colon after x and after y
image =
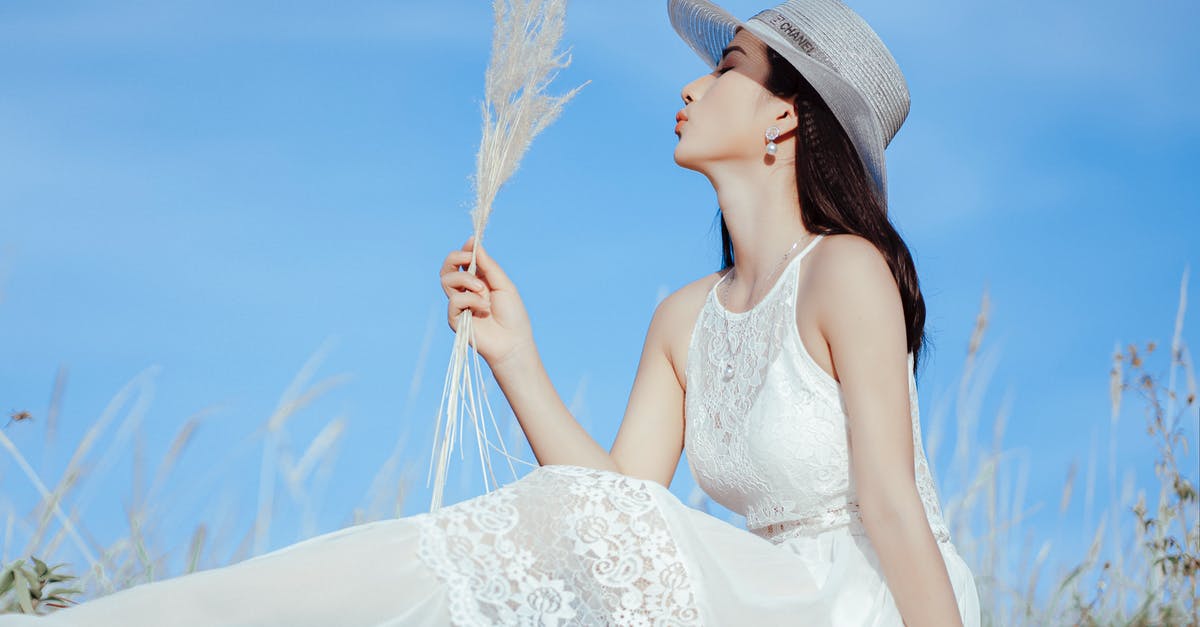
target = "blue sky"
x: 216, y: 190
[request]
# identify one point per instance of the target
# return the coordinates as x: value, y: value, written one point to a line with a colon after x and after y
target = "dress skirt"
x: 564, y: 545
x: 366, y: 574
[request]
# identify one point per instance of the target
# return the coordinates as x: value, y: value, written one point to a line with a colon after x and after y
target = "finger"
x: 460, y: 301
x: 490, y: 271
x: 455, y: 261
x: 454, y: 282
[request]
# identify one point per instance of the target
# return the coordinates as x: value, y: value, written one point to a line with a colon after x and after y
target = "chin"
x: 682, y: 159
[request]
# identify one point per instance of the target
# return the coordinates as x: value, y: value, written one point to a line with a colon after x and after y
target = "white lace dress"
x: 766, y: 437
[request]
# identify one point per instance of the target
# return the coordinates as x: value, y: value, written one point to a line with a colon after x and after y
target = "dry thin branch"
x: 516, y: 107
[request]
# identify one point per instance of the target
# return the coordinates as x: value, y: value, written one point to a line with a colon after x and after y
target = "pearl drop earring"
x: 772, y: 133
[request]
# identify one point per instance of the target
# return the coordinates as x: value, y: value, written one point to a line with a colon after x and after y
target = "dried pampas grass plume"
x: 515, y: 109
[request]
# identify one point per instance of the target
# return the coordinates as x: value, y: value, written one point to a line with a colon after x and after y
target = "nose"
x: 692, y: 89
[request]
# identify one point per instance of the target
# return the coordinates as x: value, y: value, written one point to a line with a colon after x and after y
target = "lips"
x: 680, y: 118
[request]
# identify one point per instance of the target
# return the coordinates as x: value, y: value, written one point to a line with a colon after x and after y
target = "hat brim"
x: 708, y: 29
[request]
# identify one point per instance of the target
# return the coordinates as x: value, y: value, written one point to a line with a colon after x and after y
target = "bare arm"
x: 650, y: 440
x: 863, y: 319
x: 553, y: 433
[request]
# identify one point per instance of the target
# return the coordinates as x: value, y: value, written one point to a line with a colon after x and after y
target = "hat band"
x: 784, y: 26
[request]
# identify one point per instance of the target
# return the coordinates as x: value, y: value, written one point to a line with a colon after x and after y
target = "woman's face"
x: 726, y: 112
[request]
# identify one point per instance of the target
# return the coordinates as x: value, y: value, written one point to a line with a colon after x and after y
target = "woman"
x: 777, y: 367
x: 788, y: 377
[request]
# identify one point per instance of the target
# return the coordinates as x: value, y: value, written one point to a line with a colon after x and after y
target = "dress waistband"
x: 847, y: 515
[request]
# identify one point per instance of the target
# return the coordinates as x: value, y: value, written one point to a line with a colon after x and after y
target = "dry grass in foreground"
x: 1141, y: 565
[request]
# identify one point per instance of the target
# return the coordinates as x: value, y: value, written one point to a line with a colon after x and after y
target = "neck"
x: 762, y: 213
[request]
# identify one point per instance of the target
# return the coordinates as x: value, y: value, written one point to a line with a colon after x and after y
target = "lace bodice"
x: 766, y: 430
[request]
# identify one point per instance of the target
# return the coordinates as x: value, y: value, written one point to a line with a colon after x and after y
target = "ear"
x: 786, y: 119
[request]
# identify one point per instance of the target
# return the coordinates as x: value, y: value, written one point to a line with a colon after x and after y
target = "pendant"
x: 728, y: 374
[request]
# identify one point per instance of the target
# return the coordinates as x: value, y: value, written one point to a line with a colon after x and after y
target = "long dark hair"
x: 835, y: 192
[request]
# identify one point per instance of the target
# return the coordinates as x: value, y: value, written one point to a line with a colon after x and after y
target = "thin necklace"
x: 727, y: 375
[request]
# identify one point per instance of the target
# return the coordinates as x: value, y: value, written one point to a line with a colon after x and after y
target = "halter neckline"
x: 712, y: 292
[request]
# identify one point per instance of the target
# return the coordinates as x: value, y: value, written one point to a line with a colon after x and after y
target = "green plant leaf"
x: 6, y: 580
x: 23, y: 597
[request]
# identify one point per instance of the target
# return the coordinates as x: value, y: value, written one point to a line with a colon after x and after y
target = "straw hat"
x: 833, y: 48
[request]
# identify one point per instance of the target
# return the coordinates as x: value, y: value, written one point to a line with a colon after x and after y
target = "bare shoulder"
x: 847, y: 263
x: 853, y: 278
x: 846, y: 256
x: 675, y: 317
x: 684, y: 303
x: 676, y: 313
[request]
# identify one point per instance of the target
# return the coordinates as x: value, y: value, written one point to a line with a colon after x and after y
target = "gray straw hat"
x: 833, y: 48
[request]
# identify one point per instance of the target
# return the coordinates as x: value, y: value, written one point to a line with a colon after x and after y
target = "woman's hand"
x: 501, y: 325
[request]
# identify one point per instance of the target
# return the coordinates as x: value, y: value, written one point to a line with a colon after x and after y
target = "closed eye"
x: 724, y: 70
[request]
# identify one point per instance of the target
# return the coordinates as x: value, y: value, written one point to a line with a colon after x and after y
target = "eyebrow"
x: 726, y: 51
